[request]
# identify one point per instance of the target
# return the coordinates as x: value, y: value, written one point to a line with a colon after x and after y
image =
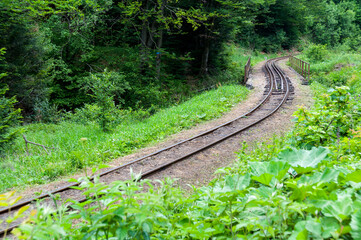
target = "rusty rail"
x: 301, y: 67
x: 247, y: 70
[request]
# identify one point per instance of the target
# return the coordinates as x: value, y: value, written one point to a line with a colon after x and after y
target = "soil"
x: 199, y: 170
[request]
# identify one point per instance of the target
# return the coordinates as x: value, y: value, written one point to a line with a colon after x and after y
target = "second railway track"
x: 276, y: 94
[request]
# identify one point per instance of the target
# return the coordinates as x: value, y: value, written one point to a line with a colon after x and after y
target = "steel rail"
x: 272, y: 81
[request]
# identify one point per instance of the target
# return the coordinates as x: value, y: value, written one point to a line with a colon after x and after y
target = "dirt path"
x: 200, y: 169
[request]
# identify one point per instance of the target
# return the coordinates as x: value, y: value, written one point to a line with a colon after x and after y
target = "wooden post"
x: 247, y: 69
x: 300, y: 66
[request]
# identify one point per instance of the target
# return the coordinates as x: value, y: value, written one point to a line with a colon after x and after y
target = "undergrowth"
x: 234, y: 60
x: 78, y: 145
x: 291, y: 189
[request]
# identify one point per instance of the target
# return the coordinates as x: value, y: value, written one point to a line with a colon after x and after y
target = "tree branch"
x: 37, y: 144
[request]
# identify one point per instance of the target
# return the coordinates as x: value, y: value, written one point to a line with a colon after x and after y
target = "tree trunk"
x: 159, y: 53
x: 144, y: 39
x: 205, y: 55
x: 160, y: 41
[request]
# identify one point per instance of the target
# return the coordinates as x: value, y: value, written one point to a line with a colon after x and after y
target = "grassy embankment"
x: 77, y: 146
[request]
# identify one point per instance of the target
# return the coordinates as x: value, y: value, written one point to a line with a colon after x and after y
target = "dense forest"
x: 59, y: 56
x: 93, y: 80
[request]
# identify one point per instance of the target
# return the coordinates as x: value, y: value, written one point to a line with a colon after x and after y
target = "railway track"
x: 276, y: 94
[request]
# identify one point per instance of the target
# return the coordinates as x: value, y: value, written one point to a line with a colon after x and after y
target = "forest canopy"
x: 157, y: 52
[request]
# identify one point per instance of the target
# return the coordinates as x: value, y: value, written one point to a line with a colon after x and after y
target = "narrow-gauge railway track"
x: 276, y: 94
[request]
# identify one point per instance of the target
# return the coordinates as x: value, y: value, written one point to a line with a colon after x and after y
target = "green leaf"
x: 340, y: 209
x: 314, y: 228
x: 300, y: 232
x: 233, y: 183
x: 354, y: 176
x: 263, y: 172
x: 356, y: 225
x: 329, y: 226
x: 304, y: 158
x: 238, y: 182
x: 265, y: 178
x: 21, y: 211
x: 147, y: 227
x: 326, y: 176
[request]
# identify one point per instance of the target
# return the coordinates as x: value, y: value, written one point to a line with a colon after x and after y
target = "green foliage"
x: 332, y: 23
x: 159, y: 47
x: 7, y: 200
x: 234, y: 59
x: 334, y: 117
x: 9, y: 117
x: 276, y: 25
x: 23, y: 60
x: 316, y: 52
x: 339, y: 68
x: 46, y: 112
x: 278, y: 191
x: 104, y: 87
x: 321, y: 203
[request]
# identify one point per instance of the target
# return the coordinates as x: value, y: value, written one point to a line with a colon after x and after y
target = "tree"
x: 103, y: 87
x: 24, y: 58
x: 331, y: 23
x: 9, y: 116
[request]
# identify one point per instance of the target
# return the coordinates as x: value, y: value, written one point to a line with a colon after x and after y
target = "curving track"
x: 276, y: 94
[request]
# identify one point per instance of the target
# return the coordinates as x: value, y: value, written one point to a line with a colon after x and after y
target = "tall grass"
x: 337, y: 68
x: 77, y: 146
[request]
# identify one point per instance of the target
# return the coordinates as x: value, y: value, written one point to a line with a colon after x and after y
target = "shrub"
x: 316, y: 52
x: 334, y: 117
x: 9, y: 116
x: 45, y: 112
x: 104, y: 87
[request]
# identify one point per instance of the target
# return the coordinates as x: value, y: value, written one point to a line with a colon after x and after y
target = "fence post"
x: 309, y: 66
x: 247, y: 70
x: 302, y: 67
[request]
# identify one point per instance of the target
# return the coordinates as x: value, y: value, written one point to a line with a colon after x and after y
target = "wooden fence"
x: 247, y: 70
x: 301, y: 67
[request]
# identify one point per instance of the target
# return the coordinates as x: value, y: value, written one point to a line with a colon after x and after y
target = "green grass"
x: 335, y: 58
x: 336, y: 69
x: 78, y: 146
x: 238, y: 56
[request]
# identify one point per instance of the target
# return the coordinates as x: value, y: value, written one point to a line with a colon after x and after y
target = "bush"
x: 316, y: 52
x: 91, y: 113
x: 104, y: 87
x: 335, y: 78
x: 46, y: 112
x: 9, y: 116
x: 331, y: 120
